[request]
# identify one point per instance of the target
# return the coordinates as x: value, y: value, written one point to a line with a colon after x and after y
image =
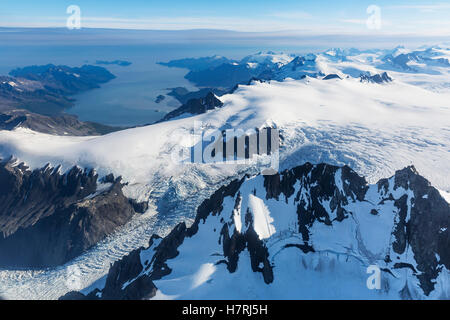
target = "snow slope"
x: 427, y: 67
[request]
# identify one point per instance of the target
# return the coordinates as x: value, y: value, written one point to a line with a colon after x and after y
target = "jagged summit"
x: 348, y: 62
x: 63, y: 79
x: 376, y: 78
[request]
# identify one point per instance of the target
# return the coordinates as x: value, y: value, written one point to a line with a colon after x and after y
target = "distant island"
x: 121, y: 63
x: 58, y: 79
x: 35, y: 97
x: 159, y: 98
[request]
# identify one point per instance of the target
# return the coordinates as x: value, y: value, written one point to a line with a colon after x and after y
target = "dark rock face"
x: 195, y: 106
x: 62, y: 124
x: 183, y: 95
x: 238, y: 242
x: 421, y: 219
x: 118, y: 285
x: 319, y: 181
x: 427, y: 229
x: 139, y: 207
x: 377, y: 78
x: 331, y: 76
x: 130, y: 266
x: 166, y: 250
x: 120, y: 273
x: 48, y: 218
x: 75, y: 295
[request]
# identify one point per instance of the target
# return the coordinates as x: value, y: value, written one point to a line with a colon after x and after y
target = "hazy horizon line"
x: 293, y: 32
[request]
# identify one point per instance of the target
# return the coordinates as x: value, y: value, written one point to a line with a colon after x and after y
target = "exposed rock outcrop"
x: 331, y: 76
x: 48, y: 218
x: 376, y: 78
x: 183, y: 95
x: 335, y: 197
x: 195, y: 106
x: 31, y: 95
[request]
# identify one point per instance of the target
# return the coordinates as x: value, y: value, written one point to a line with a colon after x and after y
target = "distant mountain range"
x: 48, y: 218
x: 222, y: 73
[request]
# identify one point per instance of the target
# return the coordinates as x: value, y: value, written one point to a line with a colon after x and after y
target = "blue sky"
x: 315, y: 16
